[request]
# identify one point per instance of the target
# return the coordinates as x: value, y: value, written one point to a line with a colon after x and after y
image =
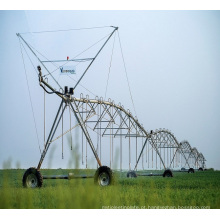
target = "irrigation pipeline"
x: 105, y: 118
x: 116, y: 119
x: 112, y: 120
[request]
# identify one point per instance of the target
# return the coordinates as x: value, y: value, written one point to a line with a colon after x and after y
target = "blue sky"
x: 172, y: 61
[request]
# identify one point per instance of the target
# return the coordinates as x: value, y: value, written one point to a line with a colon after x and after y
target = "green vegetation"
x: 198, y: 190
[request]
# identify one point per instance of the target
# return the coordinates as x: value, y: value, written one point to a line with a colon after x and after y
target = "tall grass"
x: 198, y: 190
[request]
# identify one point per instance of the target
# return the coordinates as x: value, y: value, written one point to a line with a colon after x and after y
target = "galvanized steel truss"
x: 108, y: 119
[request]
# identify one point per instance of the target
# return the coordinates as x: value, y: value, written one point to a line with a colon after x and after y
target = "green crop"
x: 198, y: 190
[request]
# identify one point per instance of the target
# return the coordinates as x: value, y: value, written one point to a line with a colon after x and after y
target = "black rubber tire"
x: 131, y: 174
x: 183, y: 169
x: 168, y: 173
x: 200, y: 169
x: 104, y: 176
x: 32, y: 178
x: 191, y: 170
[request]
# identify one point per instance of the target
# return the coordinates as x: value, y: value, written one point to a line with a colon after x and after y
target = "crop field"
x: 200, y: 190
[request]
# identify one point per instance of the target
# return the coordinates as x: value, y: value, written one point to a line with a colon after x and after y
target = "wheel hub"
x: 104, y: 179
x: 31, y: 181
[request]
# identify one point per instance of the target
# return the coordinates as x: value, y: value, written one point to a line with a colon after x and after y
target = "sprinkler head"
x: 65, y: 89
x: 71, y: 91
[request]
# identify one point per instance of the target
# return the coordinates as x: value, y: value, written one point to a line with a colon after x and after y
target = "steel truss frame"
x: 193, y: 157
x: 113, y: 120
x: 164, y: 140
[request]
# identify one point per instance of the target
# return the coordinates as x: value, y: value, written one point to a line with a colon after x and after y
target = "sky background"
x: 172, y: 62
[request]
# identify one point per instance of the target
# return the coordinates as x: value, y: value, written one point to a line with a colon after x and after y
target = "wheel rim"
x: 168, y: 175
x: 32, y: 181
x: 131, y: 175
x: 104, y: 179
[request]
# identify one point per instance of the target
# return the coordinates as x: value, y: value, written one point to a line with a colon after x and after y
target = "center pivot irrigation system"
x: 105, y: 123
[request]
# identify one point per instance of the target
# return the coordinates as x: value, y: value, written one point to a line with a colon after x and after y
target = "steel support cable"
x: 64, y: 133
x: 69, y: 130
x: 176, y: 159
x: 129, y: 138
x: 36, y: 70
x: 126, y: 74
x: 100, y: 136
x: 152, y: 158
x: 82, y: 134
x: 44, y: 94
x: 95, y: 57
x: 148, y: 156
x: 28, y: 56
x: 82, y: 86
x: 50, y: 73
x: 110, y: 66
x: 110, y: 148
x: 164, y: 155
x: 86, y: 139
x: 170, y: 157
x: 44, y: 57
x: 39, y: 60
x: 97, y: 148
x: 74, y: 29
x: 120, y: 145
x: 146, y: 153
x: 160, y: 160
x: 80, y: 53
x: 142, y: 156
x: 112, y: 138
x: 156, y: 161
x: 173, y: 156
x: 67, y: 62
x: 136, y: 144
x: 35, y: 125
x: 44, y: 119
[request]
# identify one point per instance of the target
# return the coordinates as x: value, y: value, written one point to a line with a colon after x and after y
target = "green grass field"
x: 198, y: 190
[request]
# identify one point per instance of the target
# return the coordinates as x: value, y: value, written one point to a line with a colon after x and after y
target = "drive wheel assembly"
x: 168, y: 173
x: 103, y: 176
x: 32, y: 178
x: 191, y: 170
x: 131, y: 174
